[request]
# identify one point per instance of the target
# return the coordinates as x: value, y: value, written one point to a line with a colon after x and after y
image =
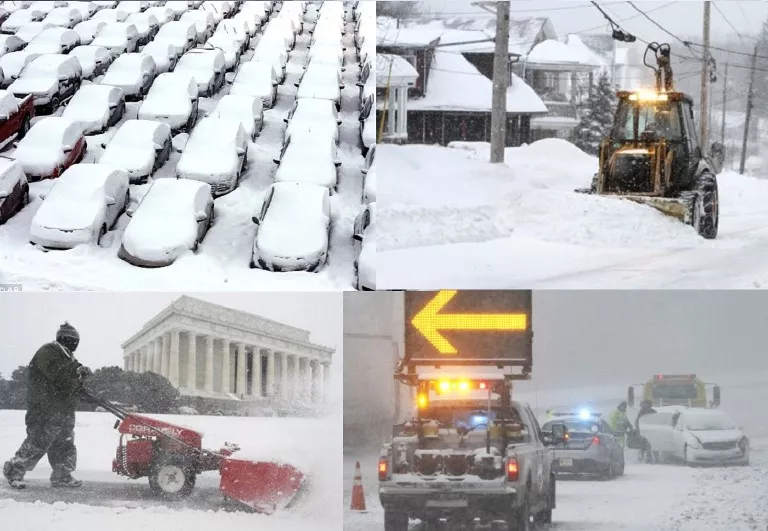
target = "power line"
x: 485, y: 15
x: 728, y: 21
x: 665, y: 30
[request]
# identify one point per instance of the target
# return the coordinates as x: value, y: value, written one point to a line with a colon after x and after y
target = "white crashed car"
x: 94, y: 60
x: 133, y: 73
x: 19, y: 18
x: 54, y: 40
x: 249, y: 110
x: 256, y: 79
x: 140, y: 147
x: 309, y: 157
x: 29, y: 31
x: 10, y: 43
x: 204, y: 23
x: 180, y: 33
x: 172, y: 100
x: 293, y: 228
x: 172, y: 218
x: 64, y: 17
x: 12, y: 63
x: 364, y: 234
x: 216, y: 153
x: 164, y: 55
x: 81, y: 207
x: 118, y: 38
x: 88, y: 29
x: 207, y: 67
x: 50, y: 146
x: 313, y: 115
x: 96, y: 108
x: 146, y: 24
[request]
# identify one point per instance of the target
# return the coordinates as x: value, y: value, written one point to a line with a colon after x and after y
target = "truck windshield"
x: 714, y: 421
x: 674, y: 392
x: 661, y: 118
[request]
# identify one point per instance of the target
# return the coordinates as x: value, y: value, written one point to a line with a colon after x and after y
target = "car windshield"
x: 674, y: 391
x: 660, y: 118
x: 715, y: 421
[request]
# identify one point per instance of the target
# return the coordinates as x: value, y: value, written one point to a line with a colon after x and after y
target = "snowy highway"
x: 467, y: 224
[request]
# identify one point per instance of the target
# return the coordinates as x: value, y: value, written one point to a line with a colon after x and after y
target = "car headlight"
x: 694, y: 441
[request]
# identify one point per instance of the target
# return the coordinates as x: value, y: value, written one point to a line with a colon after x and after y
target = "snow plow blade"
x: 262, y: 486
x: 675, y: 208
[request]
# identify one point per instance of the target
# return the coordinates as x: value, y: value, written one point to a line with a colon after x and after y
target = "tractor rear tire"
x: 172, y: 478
x: 706, y: 206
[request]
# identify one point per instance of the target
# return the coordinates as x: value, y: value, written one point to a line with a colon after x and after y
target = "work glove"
x: 83, y: 372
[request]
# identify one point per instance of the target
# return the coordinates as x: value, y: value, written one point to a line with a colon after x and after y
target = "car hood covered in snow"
x: 160, y: 234
x: 38, y: 160
x: 292, y: 238
x: 130, y: 158
x: 711, y: 436
x: 33, y: 85
x: 69, y: 214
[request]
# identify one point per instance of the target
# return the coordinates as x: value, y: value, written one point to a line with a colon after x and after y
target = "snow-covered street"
x: 222, y: 260
x: 451, y: 219
x: 108, y: 501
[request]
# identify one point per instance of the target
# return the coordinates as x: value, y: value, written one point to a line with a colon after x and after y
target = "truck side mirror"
x: 631, y: 397
x: 717, y: 153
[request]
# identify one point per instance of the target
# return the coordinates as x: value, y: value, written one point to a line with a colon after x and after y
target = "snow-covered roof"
x: 455, y: 84
x: 577, y: 43
x: 553, y: 52
x: 394, y: 71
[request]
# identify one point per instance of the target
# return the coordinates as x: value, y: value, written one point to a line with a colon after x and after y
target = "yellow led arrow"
x: 429, y: 322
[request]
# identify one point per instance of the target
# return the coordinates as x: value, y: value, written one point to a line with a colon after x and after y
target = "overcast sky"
x: 681, y: 18
x: 105, y: 320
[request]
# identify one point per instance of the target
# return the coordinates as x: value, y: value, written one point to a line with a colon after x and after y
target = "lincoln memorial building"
x: 211, y: 351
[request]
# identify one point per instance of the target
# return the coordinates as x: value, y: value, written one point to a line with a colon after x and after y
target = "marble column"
x: 283, y: 375
x: 173, y: 365
x: 225, y: 365
x: 241, y: 388
x: 192, y: 361
x: 310, y: 379
x: 270, y: 373
x: 326, y: 379
x: 150, y: 356
x: 319, y: 395
x: 158, y: 343
x: 209, y: 364
x: 125, y: 362
x: 256, y: 373
x: 166, y: 359
x: 133, y: 361
x: 296, y: 384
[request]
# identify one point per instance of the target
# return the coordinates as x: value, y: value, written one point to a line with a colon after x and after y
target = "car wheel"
x: 102, y: 233
x: 685, y: 456
x: 55, y: 103
x: 609, y: 473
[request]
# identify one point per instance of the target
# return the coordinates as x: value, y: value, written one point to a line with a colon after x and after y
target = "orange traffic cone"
x: 358, y: 497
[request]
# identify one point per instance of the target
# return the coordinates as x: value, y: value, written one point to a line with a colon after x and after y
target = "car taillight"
x: 383, y: 468
x: 512, y: 469
x: 595, y: 440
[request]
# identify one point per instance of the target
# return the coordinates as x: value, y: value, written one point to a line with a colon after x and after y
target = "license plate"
x: 566, y: 462
x: 447, y: 503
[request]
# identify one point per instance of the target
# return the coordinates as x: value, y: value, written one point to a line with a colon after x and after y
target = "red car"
x: 15, y: 117
x: 51, y: 146
x: 14, y: 189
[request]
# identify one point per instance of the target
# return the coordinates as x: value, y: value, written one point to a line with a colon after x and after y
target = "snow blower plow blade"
x: 676, y: 208
x: 263, y: 486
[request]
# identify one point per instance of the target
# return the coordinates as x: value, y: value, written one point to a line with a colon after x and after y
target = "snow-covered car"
x: 364, y: 235
x: 172, y: 100
x: 694, y: 435
x: 86, y: 9
x: 216, y: 153
x: 309, y: 157
x: 94, y: 60
x: 54, y: 40
x: 256, y: 11
x: 204, y: 23
x: 14, y: 188
x: 88, y: 29
x: 163, y: 14
x: 206, y: 66
x: 216, y: 9
x: 133, y: 73
x: 313, y: 115
x: 11, y: 6
x: 50, y: 146
x: 237, y: 29
x: 164, y: 55
x: 64, y: 17
x: 181, y: 34
x: 19, y: 18
x: 106, y: 4
x: 248, y: 109
x: 133, y: 6
x: 369, y: 184
x: 324, y: 54
x: 140, y: 147
x: 81, y: 207
x: 325, y: 35
x: 12, y: 63
x: 10, y: 43
x: 146, y: 24
x: 51, y: 79
x: 46, y: 6
x: 118, y: 38
x: 15, y: 117
x: 257, y: 79
x: 251, y: 23
x: 367, y: 126
x: 96, y: 108
x: 179, y: 7
x: 172, y: 218
x: 322, y: 82
x: 293, y: 228
x: 276, y: 55
x: 29, y: 31
x: 281, y: 32
x: 111, y: 15
x: 228, y: 46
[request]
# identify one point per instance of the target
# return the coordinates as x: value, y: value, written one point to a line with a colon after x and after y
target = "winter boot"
x: 67, y: 481
x: 14, y: 481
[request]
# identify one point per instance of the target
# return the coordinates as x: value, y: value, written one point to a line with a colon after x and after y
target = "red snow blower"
x: 172, y: 456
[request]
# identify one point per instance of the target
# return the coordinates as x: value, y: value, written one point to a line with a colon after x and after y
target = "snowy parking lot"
x: 223, y: 258
x: 451, y: 219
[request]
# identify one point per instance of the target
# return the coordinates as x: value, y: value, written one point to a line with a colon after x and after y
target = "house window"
x: 411, y: 59
x: 549, y: 79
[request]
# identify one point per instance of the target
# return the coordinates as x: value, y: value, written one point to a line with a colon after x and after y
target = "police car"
x: 590, y: 448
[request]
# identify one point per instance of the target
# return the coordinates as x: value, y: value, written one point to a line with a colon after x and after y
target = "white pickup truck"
x: 460, y: 463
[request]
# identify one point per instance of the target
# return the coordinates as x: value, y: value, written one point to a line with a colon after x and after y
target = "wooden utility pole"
x: 725, y: 99
x: 500, y: 84
x: 704, y: 104
x: 749, y: 112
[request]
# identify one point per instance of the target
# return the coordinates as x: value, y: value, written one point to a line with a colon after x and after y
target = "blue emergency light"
x: 478, y: 420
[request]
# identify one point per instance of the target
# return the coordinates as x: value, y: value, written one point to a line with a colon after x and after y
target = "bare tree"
x: 399, y: 11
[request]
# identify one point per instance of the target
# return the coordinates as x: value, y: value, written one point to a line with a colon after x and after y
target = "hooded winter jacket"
x: 53, y: 380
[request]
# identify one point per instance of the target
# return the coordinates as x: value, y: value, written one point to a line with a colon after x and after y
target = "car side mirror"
x: 3, y: 116
x: 296, y: 85
x: 357, y: 237
x: 240, y: 150
x: 285, y: 120
x: 68, y: 149
x: 110, y: 201
x: 201, y: 216
x: 360, y: 84
x: 275, y: 84
x: 3, y: 195
x: 130, y: 211
x: 276, y: 161
x: 337, y: 163
x: 559, y: 433
x: 256, y: 220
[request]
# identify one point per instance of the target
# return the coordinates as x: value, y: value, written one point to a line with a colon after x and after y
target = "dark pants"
x: 52, y: 433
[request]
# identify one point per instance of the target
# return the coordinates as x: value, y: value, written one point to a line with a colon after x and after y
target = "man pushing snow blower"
x: 55, y: 379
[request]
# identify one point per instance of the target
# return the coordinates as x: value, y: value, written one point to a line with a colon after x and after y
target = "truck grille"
x: 720, y: 445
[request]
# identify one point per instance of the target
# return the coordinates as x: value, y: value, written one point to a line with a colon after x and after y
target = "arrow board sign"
x: 468, y: 327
